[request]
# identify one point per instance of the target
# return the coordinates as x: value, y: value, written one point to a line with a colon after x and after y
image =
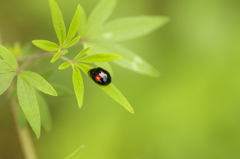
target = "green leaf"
x: 73, y: 42
x: 46, y: 45
x: 99, y: 15
x: 100, y: 57
x: 5, y: 67
x: 110, y: 90
x: 83, y: 52
x: 76, y: 154
x: 62, y: 90
x: 44, y: 112
x: 82, y: 25
x: 22, y: 121
x: 130, y: 60
x: 5, y: 81
x: 56, y: 56
x: 28, y: 102
x: 38, y: 82
x: 8, y: 57
x: 58, y: 22
x: 64, y: 65
x: 74, y: 25
x: 78, y: 85
x: 131, y: 27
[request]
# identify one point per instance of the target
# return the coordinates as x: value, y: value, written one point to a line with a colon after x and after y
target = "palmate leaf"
x: 5, y: 67
x: 130, y: 60
x: 99, y: 15
x: 28, y: 102
x: 8, y: 57
x: 5, y: 81
x: 76, y: 154
x: 78, y: 85
x: 130, y: 27
x: 100, y: 57
x: 46, y: 45
x: 110, y: 90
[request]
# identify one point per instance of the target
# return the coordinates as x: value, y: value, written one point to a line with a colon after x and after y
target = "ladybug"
x: 100, y: 76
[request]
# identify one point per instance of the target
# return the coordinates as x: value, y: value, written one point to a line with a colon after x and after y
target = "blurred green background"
x: 191, y: 112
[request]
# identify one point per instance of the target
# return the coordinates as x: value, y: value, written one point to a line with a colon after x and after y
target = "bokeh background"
x: 191, y: 112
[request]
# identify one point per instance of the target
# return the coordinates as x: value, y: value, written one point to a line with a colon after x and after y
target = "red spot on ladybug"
x: 100, y: 76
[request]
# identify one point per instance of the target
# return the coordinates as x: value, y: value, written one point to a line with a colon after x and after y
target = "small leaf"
x: 44, y: 112
x: 74, y: 25
x: 28, y: 102
x: 100, y: 57
x: 5, y: 81
x: 62, y: 90
x: 38, y: 82
x: 99, y: 15
x: 76, y: 154
x: 22, y: 121
x: 110, y: 90
x: 58, y: 22
x: 82, y: 25
x: 78, y: 85
x: 5, y: 67
x: 130, y: 60
x: 73, y: 42
x: 8, y: 57
x: 46, y: 45
x: 131, y: 27
x: 56, y: 56
x: 64, y: 65
x: 83, y: 52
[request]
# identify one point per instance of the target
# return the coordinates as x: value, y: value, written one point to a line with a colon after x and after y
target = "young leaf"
x: 110, y: 90
x: 22, y: 121
x: 44, y: 112
x: 78, y: 85
x: 76, y: 154
x: 64, y: 65
x: 83, y: 52
x: 8, y: 57
x: 131, y: 27
x: 58, y: 22
x: 100, y: 57
x: 38, y: 82
x: 56, y: 56
x: 73, y: 42
x: 46, y: 45
x: 99, y: 15
x: 62, y: 90
x: 5, y: 81
x: 28, y: 102
x: 130, y: 60
x: 82, y: 25
x: 74, y: 25
x: 5, y: 67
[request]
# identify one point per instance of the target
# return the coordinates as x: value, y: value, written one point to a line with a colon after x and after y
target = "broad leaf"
x: 46, y: 45
x: 5, y: 81
x: 130, y: 60
x: 28, y: 102
x: 131, y: 27
x: 99, y: 15
x: 64, y: 65
x: 46, y: 120
x: 82, y: 25
x: 110, y: 90
x: 8, y: 57
x: 62, y: 91
x: 76, y: 154
x: 56, y: 56
x: 38, y: 82
x: 74, y: 25
x: 83, y: 52
x: 5, y: 67
x: 73, y: 42
x: 78, y: 85
x: 58, y: 22
x: 100, y: 57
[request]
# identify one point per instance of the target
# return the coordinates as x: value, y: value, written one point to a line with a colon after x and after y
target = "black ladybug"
x: 100, y: 76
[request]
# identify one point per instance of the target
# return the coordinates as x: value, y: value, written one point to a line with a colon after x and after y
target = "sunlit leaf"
x: 38, y: 82
x: 58, y: 22
x: 56, y: 56
x: 28, y: 102
x: 62, y: 91
x: 131, y: 27
x: 5, y: 67
x: 76, y: 154
x: 64, y: 65
x: 5, y: 81
x: 73, y: 42
x: 8, y: 57
x: 74, y: 25
x: 110, y: 90
x: 82, y: 25
x: 100, y: 57
x: 78, y: 85
x: 83, y: 52
x: 99, y: 15
x: 46, y: 45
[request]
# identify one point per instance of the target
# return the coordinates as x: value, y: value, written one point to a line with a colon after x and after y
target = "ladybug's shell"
x: 100, y: 76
